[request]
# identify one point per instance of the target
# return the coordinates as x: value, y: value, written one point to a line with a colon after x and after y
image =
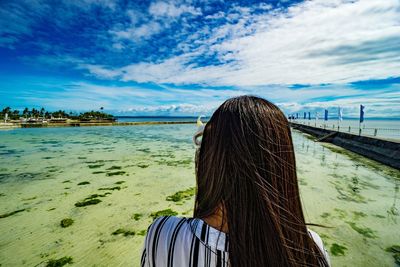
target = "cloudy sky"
x: 186, y: 57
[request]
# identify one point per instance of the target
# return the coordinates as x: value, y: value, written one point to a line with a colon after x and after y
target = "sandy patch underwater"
x: 110, y: 181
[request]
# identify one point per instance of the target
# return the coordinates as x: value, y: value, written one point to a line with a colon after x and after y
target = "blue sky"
x: 187, y: 57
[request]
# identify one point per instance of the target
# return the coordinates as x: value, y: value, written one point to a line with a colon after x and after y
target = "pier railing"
x: 377, y: 132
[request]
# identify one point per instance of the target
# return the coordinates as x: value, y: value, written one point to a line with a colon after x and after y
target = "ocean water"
x: 157, y: 118
x: 133, y: 169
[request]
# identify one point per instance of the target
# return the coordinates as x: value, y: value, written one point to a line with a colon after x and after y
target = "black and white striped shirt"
x: 174, y: 241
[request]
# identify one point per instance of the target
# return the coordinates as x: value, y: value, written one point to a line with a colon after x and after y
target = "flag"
x: 362, y: 113
x: 326, y: 115
x: 309, y: 115
x: 340, y: 114
x: 305, y: 115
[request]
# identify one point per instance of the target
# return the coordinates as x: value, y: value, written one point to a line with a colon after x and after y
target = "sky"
x: 185, y: 58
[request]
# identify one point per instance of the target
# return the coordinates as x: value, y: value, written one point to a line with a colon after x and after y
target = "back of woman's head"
x: 246, y: 165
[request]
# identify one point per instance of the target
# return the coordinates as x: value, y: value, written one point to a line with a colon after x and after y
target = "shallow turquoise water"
x: 40, y: 170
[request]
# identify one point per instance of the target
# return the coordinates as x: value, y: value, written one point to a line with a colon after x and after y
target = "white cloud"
x: 159, y: 18
x: 170, y: 9
x: 320, y: 41
x: 100, y: 71
x: 137, y: 33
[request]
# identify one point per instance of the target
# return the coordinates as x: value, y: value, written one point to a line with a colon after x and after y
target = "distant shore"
x: 11, y: 125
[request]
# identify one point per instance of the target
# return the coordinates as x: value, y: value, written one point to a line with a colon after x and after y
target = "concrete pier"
x: 383, y: 151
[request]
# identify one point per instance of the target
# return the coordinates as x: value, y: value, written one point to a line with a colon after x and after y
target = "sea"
x: 48, y: 175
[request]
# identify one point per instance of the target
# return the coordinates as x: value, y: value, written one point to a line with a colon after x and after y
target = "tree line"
x: 42, y: 113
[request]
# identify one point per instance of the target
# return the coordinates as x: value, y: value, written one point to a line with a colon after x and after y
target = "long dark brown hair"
x: 246, y: 164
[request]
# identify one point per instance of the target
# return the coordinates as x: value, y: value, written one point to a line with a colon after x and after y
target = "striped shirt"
x: 174, y: 241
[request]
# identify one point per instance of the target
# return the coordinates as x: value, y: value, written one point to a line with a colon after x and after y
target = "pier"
x: 381, y: 150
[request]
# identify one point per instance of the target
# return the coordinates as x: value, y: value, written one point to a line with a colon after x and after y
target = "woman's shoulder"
x: 317, y: 239
x: 166, y: 221
x: 166, y: 225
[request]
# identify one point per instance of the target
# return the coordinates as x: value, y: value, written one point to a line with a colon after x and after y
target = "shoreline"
x: 87, y: 124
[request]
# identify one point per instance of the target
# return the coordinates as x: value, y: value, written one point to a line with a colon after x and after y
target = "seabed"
x: 85, y: 196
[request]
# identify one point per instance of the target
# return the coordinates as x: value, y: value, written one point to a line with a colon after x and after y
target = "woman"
x: 247, y: 209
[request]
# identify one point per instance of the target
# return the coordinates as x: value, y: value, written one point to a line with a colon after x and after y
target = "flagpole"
x: 361, y: 119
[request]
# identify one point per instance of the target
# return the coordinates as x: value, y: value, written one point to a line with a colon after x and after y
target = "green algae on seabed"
x: 97, y: 195
x: 120, y: 182
x: 94, y: 166
x: 363, y: 161
x: 114, y: 168
x: 111, y: 188
x: 365, y: 231
x: 84, y: 183
x: 166, y: 212
x: 98, y: 172
x: 145, y: 150
x: 29, y: 198
x: 11, y: 213
x: 143, y: 166
x: 337, y: 250
x: 395, y: 250
x: 137, y: 216
x: 359, y: 214
x: 66, y: 181
x: 325, y: 215
x: 59, y: 262
x: 397, y: 258
x: 123, y: 231
x: 116, y: 173
x: 341, y: 213
x: 142, y: 232
x: 92, y: 201
x: 302, y: 182
x: 182, y: 195
x: 175, y: 163
x: 346, y: 195
x: 66, y: 222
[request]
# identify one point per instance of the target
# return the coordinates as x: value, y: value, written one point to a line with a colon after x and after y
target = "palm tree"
x: 34, y: 112
x: 6, y: 110
x: 15, y: 114
x: 25, y: 112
